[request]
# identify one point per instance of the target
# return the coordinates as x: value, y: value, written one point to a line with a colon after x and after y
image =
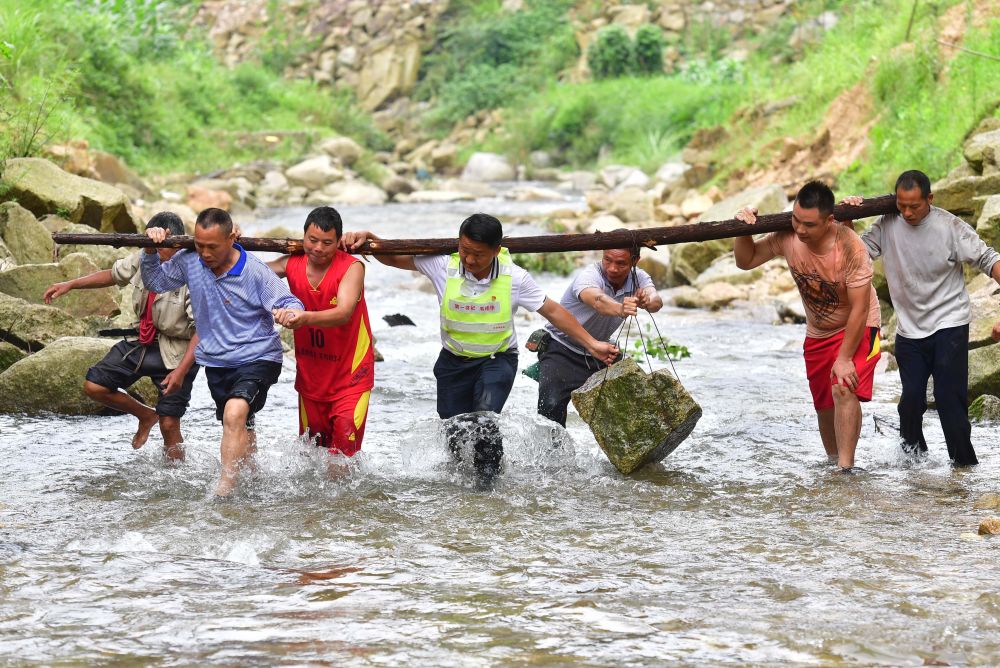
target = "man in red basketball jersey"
x: 334, y: 355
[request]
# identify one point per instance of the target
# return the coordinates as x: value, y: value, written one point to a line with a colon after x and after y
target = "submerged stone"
x: 637, y: 418
x: 987, y: 501
x: 989, y: 526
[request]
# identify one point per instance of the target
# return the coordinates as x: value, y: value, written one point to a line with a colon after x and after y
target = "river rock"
x: 42, y: 188
x: 985, y: 408
x: 977, y: 145
x: 984, y: 371
x: 29, y: 281
x: 314, y: 173
x: 354, y: 192
x: 26, y: 239
x: 988, y: 225
x: 671, y: 174
x: 656, y: 263
x: 987, y: 501
x: 200, y: 198
x: 51, y: 380
x: 632, y: 205
x: 344, y: 149
x: 34, y: 326
x: 688, y: 260
x: 604, y: 223
x: 102, y: 256
x: 488, y: 167
x: 112, y: 170
x: 9, y: 355
x: 717, y: 295
x: 990, y: 526
x: 965, y: 195
x: 637, y: 418
x: 723, y: 269
x: 766, y: 199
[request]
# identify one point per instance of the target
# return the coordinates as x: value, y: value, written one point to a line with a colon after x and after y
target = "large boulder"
x: 656, y: 263
x: 344, y: 149
x: 34, y: 326
x: 723, y: 269
x: 488, y: 167
x: 688, y: 260
x: 110, y: 169
x: 389, y: 72
x: 29, y: 281
x: 9, y: 355
x: 632, y: 205
x: 354, y: 192
x: 26, y: 239
x: 766, y: 199
x: 979, y: 144
x: 43, y: 188
x: 51, y: 380
x: 637, y: 418
x: 988, y: 225
x: 984, y: 371
x: 965, y: 195
x: 985, y: 408
x: 314, y: 173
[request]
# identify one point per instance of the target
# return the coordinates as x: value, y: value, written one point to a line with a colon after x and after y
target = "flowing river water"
x: 741, y: 548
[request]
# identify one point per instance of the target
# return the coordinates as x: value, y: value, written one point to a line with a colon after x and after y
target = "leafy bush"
x: 649, y: 45
x: 561, y: 264
x: 611, y: 54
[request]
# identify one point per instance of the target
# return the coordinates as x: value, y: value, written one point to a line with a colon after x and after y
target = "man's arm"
x: 568, y: 325
x: 274, y: 293
x: 175, y: 379
x: 749, y: 253
x: 279, y: 265
x: 605, y: 305
x: 98, y: 279
x: 351, y: 240
x: 348, y: 296
x: 159, y: 277
x: 858, y: 301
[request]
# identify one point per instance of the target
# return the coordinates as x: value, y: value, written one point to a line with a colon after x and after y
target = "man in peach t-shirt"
x: 833, y: 273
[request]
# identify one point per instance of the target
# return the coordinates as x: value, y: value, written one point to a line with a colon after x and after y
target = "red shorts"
x: 337, y: 425
x: 820, y: 355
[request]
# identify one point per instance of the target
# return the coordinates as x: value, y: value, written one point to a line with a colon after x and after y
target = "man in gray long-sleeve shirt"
x: 922, y: 249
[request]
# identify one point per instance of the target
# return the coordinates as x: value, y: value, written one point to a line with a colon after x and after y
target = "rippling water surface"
x: 740, y: 548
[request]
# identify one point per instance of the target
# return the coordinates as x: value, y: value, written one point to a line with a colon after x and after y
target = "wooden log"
x: 649, y: 237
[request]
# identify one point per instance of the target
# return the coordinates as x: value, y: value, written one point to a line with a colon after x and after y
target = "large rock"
x: 110, y: 169
x: 51, y: 381
x: 27, y: 240
x: 988, y: 225
x: 985, y: 408
x: 965, y: 195
x: 102, y: 256
x: 388, y: 73
x: 632, y: 205
x: 488, y: 167
x: 200, y: 198
x: 978, y: 144
x: 34, y: 326
x: 354, y: 192
x: 688, y: 260
x: 723, y: 269
x: 656, y: 263
x: 42, y: 188
x: 314, y: 173
x: 344, y: 149
x: 9, y: 355
x: 767, y: 200
x: 29, y: 281
x: 637, y: 418
x: 984, y: 371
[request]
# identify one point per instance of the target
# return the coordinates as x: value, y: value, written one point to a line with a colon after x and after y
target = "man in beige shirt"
x: 163, y: 350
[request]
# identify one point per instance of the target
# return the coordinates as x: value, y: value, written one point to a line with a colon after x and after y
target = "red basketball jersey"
x: 330, y: 361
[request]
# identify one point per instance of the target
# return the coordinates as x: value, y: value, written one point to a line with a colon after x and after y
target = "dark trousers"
x: 945, y: 356
x: 470, y: 385
x: 560, y: 372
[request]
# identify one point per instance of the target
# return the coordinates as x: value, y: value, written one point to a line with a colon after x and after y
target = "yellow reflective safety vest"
x: 476, y: 319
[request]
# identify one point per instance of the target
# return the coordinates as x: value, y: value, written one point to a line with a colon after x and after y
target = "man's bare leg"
x: 828, y: 432
x: 125, y: 403
x: 847, y: 423
x: 170, y: 428
x: 235, y: 443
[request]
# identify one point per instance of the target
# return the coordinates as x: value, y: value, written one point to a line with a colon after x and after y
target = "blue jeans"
x: 944, y: 355
x: 469, y: 385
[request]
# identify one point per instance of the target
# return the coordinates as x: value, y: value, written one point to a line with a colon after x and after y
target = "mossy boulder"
x: 34, y: 326
x: 9, y: 354
x: 42, y: 188
x: 984, y: 371
x: 637, y: 418
x: 985, y: 408
x: 966, y: 195
x: 29, y: 281
x: 988, y: 224
x: 25, y: 238
x: 102, y: 256
x: 688, y: 260
x: 51, y: 380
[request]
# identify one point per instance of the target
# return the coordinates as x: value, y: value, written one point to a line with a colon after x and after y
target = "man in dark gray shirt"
x: 923, y: 249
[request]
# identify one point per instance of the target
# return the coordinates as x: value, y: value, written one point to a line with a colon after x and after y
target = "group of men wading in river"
x: 216, y: 307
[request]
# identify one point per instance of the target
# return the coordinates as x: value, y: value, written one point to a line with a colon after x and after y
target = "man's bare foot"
x: 145, y: 426
x: 174, y: 453
x: 227, y: 482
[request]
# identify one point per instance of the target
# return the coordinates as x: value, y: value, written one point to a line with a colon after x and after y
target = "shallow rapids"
x: 740, y: 548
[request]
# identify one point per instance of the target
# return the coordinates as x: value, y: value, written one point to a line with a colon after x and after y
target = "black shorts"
x: 129, y: 361
x: 249, y: 382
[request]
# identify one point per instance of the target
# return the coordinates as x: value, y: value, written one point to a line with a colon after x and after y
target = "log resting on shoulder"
x: 649, y: 237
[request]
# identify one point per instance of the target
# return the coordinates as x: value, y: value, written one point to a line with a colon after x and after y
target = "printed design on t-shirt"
x: 818, y: 295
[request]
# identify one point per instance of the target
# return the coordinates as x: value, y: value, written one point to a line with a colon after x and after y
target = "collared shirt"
x: 524, y: 291
x: 601, y: 327
x: 232, y: 311
x: 923, y: 267
x: 172, y: 314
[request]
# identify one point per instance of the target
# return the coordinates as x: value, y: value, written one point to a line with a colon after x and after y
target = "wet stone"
x: 637, y: 418
x: 989, y: 526
x: 987, y: 501
x: 986, y: 408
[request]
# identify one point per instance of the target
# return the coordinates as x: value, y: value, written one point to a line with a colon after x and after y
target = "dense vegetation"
x: 127, y: 76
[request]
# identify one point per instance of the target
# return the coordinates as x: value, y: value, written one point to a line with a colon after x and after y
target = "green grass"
x: 126, y: 76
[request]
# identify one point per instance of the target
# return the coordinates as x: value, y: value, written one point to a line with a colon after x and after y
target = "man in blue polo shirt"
x: 233, y: 295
